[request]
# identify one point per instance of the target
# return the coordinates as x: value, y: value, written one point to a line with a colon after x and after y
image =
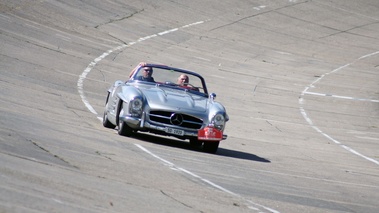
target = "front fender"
x: 215, y: 108
x: 127, y: 93
x: 115, y: 84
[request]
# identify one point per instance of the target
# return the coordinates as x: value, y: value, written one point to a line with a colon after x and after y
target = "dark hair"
x: 150, y: 69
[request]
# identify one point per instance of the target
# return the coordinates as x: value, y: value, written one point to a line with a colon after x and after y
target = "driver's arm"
x: 141, y: 64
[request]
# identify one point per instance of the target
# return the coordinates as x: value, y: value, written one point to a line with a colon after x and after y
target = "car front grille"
x: 166, y: 118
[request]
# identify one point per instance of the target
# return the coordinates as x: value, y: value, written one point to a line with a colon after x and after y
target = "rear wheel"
x: 211, y: 147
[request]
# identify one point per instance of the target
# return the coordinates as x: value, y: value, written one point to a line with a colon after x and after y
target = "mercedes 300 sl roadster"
x: 166, y: 101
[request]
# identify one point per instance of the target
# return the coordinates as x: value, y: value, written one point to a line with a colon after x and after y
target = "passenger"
x: 183, y: 80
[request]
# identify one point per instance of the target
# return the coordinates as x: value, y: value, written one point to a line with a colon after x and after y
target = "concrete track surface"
x: 299, y: 79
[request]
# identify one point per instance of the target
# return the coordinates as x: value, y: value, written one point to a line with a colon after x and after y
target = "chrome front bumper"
x: 142, y: 124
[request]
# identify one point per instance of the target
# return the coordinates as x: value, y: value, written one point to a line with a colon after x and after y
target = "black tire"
x: 211, y: 147
x: 123, y: 128
x: 195, y: 143
x: 106, y: 122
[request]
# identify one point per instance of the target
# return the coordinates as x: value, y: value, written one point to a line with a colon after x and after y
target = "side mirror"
x: 212, y: 96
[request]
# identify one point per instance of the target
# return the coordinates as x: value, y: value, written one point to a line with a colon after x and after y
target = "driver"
x: 147, y: 72
x: 146, y: 75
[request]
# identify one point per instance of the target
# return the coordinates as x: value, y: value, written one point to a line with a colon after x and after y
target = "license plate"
x: 174, y: 131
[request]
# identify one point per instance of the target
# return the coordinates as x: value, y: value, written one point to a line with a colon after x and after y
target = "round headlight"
x: 136, y: 107
x: 136, y: 104
x: 219, y: 121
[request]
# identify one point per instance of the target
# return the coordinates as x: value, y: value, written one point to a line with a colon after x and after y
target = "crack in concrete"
x: 104, y: 155
x: 274, y: 126
x: 119, y: 19
x: 165, y: 194
x: 47, y: 151
x: 258, y: 14
x: 25, y: 39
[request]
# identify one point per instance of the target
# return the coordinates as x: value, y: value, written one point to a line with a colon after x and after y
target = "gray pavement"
x: 299, y: 80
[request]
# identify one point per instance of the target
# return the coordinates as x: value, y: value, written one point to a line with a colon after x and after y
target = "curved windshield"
x: 171, y: 78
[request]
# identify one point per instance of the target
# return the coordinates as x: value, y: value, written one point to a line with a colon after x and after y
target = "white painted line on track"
x: 341, y: 97
x: 367, y: 138
x: 251, y: 205
x: 309, y: 121
x: 259, y: 7
x: 200, y: 58
x: 63, y: 37
x: 80, y: 85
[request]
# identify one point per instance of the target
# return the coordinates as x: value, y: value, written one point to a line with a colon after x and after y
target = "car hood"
x: 174, y: 99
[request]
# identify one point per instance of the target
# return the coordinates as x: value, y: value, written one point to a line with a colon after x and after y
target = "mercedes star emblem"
x: 176, y: 119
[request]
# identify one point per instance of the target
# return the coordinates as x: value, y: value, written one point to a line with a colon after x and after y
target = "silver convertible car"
x: 166, y: 101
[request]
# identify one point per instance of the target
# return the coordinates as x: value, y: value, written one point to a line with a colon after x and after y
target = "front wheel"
x: 195, y: 142
x: 211, y: 147
x: 106, y: 122
x: 123, y: 128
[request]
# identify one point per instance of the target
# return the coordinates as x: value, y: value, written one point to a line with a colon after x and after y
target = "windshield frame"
x: 161, y: 72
